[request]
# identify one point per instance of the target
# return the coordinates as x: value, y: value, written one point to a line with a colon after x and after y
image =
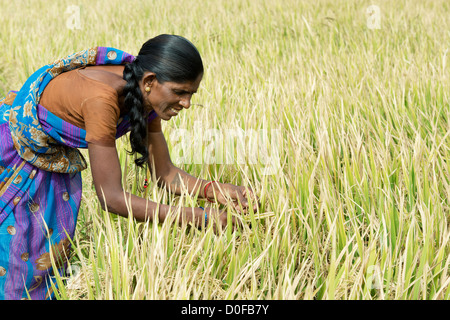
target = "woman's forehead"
x: 186, y: 86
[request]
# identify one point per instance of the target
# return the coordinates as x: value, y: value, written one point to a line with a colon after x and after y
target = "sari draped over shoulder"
x: 40, y: 179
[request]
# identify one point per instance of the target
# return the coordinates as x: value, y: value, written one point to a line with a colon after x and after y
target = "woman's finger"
x: 249, y: 194
x: 239, y: 207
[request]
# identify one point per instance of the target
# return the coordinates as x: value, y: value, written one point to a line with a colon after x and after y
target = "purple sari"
x: 40, y: 191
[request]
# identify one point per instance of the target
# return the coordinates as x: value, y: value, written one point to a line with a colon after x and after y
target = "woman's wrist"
x: 195, y: 216
x: 209, y: 190
x: 205, y: 216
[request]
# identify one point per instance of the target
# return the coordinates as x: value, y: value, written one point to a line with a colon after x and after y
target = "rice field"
x: 353, y: 100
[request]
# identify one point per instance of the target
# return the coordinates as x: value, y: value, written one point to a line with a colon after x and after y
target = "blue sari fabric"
x: 40, y: 180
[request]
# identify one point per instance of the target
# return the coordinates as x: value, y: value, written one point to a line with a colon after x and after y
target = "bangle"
x: 207, y: 185
x: 206, y: 217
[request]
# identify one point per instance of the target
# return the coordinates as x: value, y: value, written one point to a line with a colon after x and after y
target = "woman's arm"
x: 224, y: 193
x: 176, y: 180
x: 168, y: 176
x: 107, y: 177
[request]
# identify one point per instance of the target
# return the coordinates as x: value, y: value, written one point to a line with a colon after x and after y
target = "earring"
x: 147, y: 89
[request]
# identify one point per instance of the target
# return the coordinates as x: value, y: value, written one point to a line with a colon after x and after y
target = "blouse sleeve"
x: 100, y: 116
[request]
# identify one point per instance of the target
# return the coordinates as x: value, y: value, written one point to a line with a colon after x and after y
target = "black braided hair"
x: 134, y: 104
x: 172, y: 58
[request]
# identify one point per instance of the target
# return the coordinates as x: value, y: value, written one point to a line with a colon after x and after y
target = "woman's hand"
x: 218, y: 219
x: 238, y: 197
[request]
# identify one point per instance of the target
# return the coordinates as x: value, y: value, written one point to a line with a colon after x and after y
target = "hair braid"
x: 134, y: 103
x: 171, y: 58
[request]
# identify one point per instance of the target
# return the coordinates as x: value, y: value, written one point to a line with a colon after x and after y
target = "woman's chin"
x: 165, y: 117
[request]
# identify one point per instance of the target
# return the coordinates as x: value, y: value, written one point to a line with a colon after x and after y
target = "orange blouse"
x: 88, y: 104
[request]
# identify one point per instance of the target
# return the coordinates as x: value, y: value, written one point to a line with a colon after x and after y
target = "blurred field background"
x: 360, y: 207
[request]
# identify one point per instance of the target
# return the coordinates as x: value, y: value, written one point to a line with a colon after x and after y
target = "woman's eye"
x: 182, y: 93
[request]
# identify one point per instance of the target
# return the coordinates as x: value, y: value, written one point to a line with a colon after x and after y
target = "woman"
x: 87, y: 100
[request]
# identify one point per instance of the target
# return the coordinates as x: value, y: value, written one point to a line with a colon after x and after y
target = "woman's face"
x: 168, y: 98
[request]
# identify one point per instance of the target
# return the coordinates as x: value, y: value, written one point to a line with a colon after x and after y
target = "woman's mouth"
x: 174, y: 111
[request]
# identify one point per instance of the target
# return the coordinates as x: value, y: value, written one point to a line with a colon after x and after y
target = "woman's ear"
x: 148, y: 79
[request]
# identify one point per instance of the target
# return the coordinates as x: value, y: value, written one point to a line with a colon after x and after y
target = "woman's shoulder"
x: 71, y: 95
x: 107, y: 75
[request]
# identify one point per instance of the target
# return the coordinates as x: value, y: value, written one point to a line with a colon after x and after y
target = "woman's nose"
x: 185, y: 103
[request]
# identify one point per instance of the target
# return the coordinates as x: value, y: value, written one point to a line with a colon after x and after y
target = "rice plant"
x: 357, y: 115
